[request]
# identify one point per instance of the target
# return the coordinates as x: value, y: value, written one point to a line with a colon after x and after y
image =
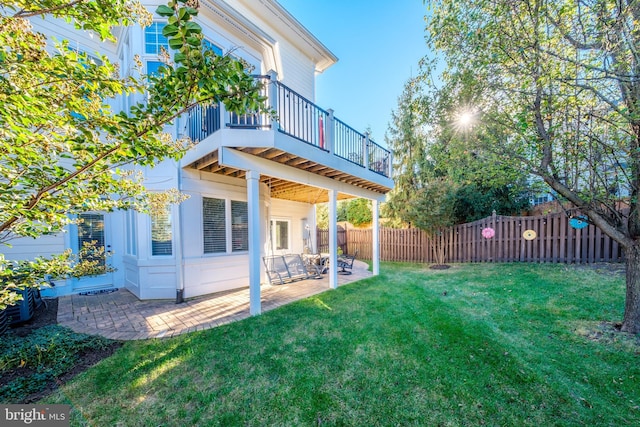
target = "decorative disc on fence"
x: 488, y: 232
x: 578, y: 222
x: 529, y: 234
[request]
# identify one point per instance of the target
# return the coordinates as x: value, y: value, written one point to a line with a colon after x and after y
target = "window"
x: 91, y: 233
x: 130, y: 233
x: 214, y: 225
x: 161, y: 235
x: 222, y: 221
x: 215, y: 48
x: 153, y: 66
x: 280, y: 234
x: 153, y: 39
x: 540, y: 199
x: 239, y: 226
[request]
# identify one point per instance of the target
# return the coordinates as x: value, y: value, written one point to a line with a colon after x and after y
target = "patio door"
x: 280, y: 236
x: 94, y: 229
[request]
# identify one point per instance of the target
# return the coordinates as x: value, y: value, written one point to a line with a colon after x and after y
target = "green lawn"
x: 483, y: 344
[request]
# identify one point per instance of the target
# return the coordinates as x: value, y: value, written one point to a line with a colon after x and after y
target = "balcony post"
x: 330, y: 135
x: 272, y: 94
x: 222, y: 115
x: 365, y: 151
x: 390, y: 165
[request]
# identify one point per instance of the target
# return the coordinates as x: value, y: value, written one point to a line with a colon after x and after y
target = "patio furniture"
x: 288, y: 268
x: 346, y: 261
x: 317, y: 262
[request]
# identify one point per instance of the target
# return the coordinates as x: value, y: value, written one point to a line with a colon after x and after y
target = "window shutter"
x: 239, y: 226
x: 213, y: 225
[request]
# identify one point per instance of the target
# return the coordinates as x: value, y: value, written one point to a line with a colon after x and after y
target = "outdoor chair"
x: 345, y: 262
x: 316, y: 263
x: 288, y: 268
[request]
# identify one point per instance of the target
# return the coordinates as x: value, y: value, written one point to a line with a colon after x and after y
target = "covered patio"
x: 120, y: 315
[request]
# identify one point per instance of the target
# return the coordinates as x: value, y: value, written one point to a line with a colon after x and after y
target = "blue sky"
x: 378, y: 44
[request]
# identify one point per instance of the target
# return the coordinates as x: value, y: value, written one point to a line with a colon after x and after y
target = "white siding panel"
x: 298, y: 71
x: 28, y: 248
x: 216, y: 274
x: 158, y: 282
x: 132, y: 278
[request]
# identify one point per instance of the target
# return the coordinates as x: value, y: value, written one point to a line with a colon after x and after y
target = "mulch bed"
x: 47, y: 315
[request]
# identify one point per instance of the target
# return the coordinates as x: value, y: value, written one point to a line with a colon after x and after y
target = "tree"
x: 407, y: 142
x: 475, y: 201
x: 355, y: 211
x: 63, y: 149
x: 556, y: 91
x: 432, y: 210
x: 359, y: 212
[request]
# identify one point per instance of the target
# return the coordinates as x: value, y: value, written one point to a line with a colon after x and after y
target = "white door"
x: 94, y: 228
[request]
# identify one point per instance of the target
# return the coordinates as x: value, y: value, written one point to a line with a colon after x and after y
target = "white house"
x: 252, y: 182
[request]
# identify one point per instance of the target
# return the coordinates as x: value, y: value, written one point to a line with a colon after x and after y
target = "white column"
x: 376, y: 238
x: 333, y: 239
x: 253, y: 207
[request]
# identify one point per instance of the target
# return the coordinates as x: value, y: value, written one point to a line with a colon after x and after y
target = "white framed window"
x: 225, y: 226
x: 281, y: 234
x: 214, y: 229
x: 153, y: 39
x: 131, y: 246
x: 161, y: 232
x: 214, y: 47
x: 153, y: 66
x: 239, y: 226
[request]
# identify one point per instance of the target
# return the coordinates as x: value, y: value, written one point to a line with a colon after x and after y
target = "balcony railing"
x: 299, y: 118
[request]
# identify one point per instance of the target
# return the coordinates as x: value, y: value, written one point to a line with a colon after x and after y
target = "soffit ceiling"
x: 284, y: 189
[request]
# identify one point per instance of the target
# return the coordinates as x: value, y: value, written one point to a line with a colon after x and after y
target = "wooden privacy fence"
x: 555, y: 241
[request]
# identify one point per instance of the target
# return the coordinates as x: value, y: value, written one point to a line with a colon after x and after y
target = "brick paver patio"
x: 120, y: 315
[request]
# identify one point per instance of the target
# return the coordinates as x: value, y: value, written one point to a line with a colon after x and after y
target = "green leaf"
x: 192, y: 27
x: 193, y: 41
x: 175, y: 43
x: 170, y: 30
x: 164, y: 10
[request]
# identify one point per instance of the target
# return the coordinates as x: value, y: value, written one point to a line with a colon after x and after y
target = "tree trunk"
x: 631, y: 321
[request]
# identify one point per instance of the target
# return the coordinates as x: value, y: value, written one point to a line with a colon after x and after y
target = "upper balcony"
x: 302, y: 135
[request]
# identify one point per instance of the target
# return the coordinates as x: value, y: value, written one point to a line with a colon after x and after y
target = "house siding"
x: 29, y: 248
x: 149, y: 276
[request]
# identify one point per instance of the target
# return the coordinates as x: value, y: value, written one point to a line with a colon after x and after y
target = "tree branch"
x: 31, y: 13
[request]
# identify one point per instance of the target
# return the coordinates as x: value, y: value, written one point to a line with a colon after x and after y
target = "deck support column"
x: 253, y: 208
x: 375, y: 231
x: 333, y: 239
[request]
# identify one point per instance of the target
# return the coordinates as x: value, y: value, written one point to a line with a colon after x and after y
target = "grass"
x: 483, y: 344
